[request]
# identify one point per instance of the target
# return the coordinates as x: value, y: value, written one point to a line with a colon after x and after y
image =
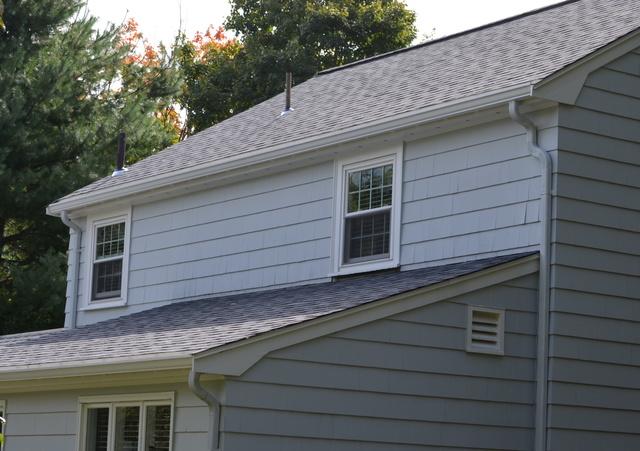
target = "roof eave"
x: 90, y: 367
x: 386, y: 125
x: 564, y: 86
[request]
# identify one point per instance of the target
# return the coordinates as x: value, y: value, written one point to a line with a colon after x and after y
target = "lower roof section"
x: 209, y: 328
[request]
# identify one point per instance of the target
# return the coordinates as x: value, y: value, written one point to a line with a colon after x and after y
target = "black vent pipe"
x: 287, y: 91
x: 122, y: 148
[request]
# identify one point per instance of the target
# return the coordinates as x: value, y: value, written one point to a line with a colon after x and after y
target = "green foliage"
x: 276, y: 36
x: 207, y: 64
x: 65, y: 92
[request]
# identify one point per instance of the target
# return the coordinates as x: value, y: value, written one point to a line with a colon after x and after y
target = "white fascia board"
x: 156, y: 362
x: 565, y: 85
x: 271, y: 154
x: 235, y: 358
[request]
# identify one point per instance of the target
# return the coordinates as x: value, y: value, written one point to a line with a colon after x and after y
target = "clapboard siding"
x: 49, y: 421
x: 471, y: 194
x: 403, y: 381
x: 594, y: 346
x: 270, y: 443
x: 595, y: 396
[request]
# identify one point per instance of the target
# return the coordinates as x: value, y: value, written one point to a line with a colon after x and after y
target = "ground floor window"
x: 127, y: 423
x: 2, y: 423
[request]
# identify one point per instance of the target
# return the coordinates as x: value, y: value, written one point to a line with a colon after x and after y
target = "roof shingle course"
x: 524, y: 50
x: 193, y: 326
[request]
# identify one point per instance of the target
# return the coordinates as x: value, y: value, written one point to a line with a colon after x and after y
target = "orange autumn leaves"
x: 141, y: 51
x: 203, y: 46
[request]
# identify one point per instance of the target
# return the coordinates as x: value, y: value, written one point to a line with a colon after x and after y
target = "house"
x: 437, y: 248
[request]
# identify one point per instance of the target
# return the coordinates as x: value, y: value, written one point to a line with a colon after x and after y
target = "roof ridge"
x: 447, y: 38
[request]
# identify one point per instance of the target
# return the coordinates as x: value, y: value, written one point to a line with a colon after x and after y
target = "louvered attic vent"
x: 485, y: 330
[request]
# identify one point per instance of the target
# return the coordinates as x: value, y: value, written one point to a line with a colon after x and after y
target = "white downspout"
x: 75, y: 264
x: 545, y: 269
x: 214, y: 408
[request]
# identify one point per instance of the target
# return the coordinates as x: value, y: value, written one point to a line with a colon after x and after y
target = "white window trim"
x: 3, y: 410
x: 385, y: 154
x: 93, y: 222
x: 111, y: 401
x: 470, y: 347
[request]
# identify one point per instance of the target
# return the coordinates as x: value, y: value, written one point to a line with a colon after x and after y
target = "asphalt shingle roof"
x: 193, y: 326
x: 525, y: 49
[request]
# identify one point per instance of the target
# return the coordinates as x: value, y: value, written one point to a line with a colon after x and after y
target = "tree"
x: 207, y: 64
x: 276, y: 36
x: 65, y: 92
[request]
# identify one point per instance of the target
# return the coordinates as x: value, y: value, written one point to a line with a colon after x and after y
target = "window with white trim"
x: 127, y: 423
x: 107, y: 266
x: 108, y: 262
x: 368, y: 213
x: 3, y: 415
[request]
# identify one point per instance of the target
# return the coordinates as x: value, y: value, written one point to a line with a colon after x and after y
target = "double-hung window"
x: 107, y: 265
x: 368, y: 213
x: 127, y: 423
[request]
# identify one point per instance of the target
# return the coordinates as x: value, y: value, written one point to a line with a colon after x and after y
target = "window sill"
x: 357, y: 268
x: 105, y: 304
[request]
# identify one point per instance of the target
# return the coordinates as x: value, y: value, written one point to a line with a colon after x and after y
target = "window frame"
x: 380, y: 156
x: 3, y: 414
x: 142, y: 400
x: 93, y: 223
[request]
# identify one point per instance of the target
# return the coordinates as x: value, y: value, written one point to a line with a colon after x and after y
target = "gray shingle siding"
x: 49, y: 421
x: 402, y: 383
x: 467, y: 194
x: 472, y: 193
x: 595, y: 317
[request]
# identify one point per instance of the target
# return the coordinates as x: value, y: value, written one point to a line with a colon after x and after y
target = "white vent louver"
x: 485, y: 330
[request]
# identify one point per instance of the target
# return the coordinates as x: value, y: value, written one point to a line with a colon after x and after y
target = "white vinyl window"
x: 108, y: 240
x: 368, y: 213
x: 127, y: 423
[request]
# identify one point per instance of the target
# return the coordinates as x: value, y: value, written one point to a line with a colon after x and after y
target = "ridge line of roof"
x: 446, y: 38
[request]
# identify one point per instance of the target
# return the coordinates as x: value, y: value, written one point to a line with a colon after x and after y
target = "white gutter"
x: 97, y: 366
x: 380, y: 126
x: 209, y: 398
x: 75, y: 264
x: 544, y: 275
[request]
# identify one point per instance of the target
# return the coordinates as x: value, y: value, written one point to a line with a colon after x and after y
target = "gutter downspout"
x: 214, y: 408
x: 545, y: 269
x: 75, y: 263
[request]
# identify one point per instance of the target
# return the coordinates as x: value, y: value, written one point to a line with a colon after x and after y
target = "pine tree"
x: 65, y: 92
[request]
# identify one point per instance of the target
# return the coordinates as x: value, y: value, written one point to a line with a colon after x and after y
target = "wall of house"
x: 267, y: 232
x: 473, y: 193
x: 49, y: 421
x: 402, y: 383
x: 594, y: 392
x: 470, y: 193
